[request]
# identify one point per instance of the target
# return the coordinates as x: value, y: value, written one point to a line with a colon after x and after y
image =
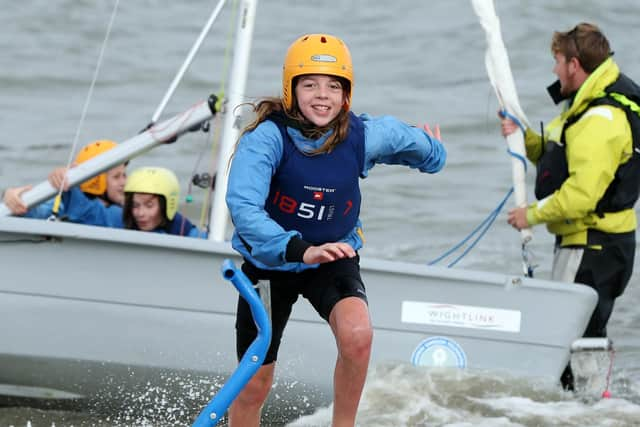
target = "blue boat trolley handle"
x: 252, y: 359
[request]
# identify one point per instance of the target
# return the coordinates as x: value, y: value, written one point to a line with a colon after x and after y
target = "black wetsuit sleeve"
x: 295, y: 249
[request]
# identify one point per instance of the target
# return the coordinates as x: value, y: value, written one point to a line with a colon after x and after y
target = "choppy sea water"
x: 419, y: 61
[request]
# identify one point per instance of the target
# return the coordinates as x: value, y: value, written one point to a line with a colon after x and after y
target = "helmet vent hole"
x: 323, y: 39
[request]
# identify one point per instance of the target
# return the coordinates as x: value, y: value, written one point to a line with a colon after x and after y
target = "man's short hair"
x: 585, y: 42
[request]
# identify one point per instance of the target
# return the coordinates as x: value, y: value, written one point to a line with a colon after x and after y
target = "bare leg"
x: 245, y: 410
x: 351, y: 326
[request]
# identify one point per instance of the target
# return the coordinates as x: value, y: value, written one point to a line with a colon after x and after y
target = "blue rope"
x: 519, y: 157
x: 508, y: 115
x: 482, y: 228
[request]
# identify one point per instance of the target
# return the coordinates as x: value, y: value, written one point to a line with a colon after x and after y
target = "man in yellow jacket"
x: 588, y: 174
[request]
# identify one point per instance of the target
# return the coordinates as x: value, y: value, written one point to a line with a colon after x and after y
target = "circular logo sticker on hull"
x: 439, y: 352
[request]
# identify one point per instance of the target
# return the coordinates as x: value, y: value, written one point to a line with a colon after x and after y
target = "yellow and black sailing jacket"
x: 592, y: 190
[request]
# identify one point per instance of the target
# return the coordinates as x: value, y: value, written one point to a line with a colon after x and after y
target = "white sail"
x: 499, y: 71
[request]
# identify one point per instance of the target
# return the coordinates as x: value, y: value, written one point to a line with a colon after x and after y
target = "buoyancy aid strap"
x: 626, y: 102
x: 613, y: 99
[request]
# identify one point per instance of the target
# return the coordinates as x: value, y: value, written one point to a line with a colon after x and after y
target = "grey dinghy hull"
x: 91, y: 314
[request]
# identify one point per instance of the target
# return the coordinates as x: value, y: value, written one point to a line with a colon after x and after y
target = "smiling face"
x: 320, y: 98
x: 146, y: 211
x: 116, y: 179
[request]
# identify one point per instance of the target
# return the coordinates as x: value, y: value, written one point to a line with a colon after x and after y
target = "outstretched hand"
x: 435, y: 134
x: 13, y: 201
x: 327, y: 253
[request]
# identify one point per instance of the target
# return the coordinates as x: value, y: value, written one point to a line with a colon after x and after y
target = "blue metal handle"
x: 252, y: 359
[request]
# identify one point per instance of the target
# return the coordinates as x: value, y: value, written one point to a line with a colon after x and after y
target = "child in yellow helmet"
x: 151, y: 199
x: 151, y: 203
x: 294, y: 198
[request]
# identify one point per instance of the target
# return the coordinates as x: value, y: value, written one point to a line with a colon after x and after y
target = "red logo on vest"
x: 318, y: 195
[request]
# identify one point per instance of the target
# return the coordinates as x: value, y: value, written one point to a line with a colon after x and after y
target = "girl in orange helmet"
x: 107, y: 187
x: 294, y: 198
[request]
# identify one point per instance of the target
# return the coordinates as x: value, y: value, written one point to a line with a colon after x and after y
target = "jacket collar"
x: 593, y: 87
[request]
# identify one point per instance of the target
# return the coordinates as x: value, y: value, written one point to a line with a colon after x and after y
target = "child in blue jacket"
x: 151, y: 199
x: 294, y: 198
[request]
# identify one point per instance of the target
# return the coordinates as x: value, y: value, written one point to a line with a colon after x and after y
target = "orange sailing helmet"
x: 98, y: 184
x: 316, y: 54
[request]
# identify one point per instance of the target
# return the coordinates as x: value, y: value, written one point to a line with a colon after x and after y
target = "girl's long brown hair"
x: 339, y: 125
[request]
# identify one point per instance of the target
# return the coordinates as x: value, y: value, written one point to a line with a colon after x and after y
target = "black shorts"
x: 323, y: 287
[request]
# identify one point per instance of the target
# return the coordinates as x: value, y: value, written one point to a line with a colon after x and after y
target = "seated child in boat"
x: 106, y: 188
x: 151, y: 199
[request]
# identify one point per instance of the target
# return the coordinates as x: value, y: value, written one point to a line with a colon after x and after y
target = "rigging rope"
x: 484, y: 226
x: 215, y: 138
x: 85, y: 108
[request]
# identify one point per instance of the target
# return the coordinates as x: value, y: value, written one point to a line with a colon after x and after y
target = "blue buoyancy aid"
x: 181, y: 226
x: 318, y: 195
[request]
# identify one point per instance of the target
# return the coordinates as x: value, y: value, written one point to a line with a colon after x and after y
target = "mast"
x: 231, y: 126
